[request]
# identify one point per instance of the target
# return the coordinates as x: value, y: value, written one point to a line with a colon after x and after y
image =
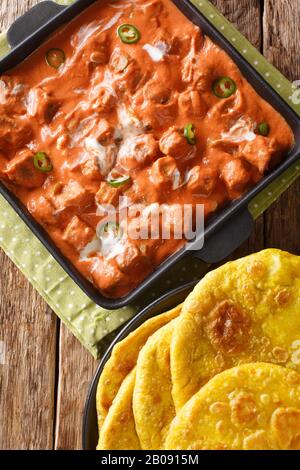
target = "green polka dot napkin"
x: 88, y: 322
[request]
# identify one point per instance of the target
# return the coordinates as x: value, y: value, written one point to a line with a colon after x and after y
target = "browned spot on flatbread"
x: 243, y: 409
x: 228, y: 328
x: 285, y: 428
x: 257, y: 269
x: 283, y: 297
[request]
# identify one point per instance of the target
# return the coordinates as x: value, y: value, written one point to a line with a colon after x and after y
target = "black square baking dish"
x: 226, y: 230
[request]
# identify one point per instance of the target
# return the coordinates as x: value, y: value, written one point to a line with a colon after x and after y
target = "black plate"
x: 163, y: 304
x: 229, y: 227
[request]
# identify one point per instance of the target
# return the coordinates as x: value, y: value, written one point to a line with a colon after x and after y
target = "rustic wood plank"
x: 27, y: 368
x: 281, y: 46
x: 282, y: 36
x: 75, y: 373
x: 11, y: 9
x: 246, y: 16
x: 28, y: 332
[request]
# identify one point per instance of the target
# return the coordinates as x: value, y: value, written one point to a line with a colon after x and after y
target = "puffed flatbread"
x: 250, y: 407
x: 118, y: 431
x: 245, y: 311
x: 123, y: 360
x: 153, y: 404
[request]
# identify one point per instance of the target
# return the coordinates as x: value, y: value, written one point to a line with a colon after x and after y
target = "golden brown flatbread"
x: 118, y: 431
x: 153, y: 404
x: 250, y: 407
x: 124, y: 359
x: 245, y: 311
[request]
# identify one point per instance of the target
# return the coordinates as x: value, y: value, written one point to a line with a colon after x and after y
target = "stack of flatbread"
x: 221, y: 371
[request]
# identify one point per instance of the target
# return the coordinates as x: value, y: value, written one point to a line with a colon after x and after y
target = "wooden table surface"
x: 44, y: 379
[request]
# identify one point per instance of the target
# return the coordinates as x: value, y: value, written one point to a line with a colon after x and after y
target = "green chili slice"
x: 120, y: 63
x: 55, y: 58
x: 42, y: 162
x: 190, y: 134
x: 129, y: 34
x: 263, y: 128
x: 224, y: 87
x: 110, y: 227
x: 118, y: 182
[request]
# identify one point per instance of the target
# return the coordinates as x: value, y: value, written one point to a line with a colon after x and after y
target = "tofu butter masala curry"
x: 130, y: 103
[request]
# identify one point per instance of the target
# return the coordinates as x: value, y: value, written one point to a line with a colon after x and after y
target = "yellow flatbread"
x: 152, y: 399
x: 250, y: 407
x: 245, y: 311
x: 118, y: 431
x: 123, y: 360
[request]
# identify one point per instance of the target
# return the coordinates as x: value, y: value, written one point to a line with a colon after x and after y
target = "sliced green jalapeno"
x: 118, y: 182
x: 55, y: 58
x: 224, y: 87
x: 42, y: 162
x: 190, y: 134
x: 128, y: 33
x: 263, y: 128
x: 110, y: 227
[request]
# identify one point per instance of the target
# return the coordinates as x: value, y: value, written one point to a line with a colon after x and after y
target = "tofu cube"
x: 130, y: 259
x: 72, y: 195
x: 78, y: 234
x: 174, y: 143
x: 107, y: 195
x: 163, y: 172
x: 259, y: 153
x: 21, y: 170
x: 202, y: 181
x: 107, y: 276
x: 42, y: 210
x: 235, y: 175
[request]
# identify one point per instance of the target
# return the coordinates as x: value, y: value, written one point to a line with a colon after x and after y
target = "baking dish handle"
x: 32, y: 21
x: 222, y: 243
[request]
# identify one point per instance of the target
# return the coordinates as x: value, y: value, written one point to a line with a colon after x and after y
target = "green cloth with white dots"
x: 88, y: 322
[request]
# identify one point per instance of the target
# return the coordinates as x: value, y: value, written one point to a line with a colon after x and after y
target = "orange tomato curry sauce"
x: 150, y: 120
